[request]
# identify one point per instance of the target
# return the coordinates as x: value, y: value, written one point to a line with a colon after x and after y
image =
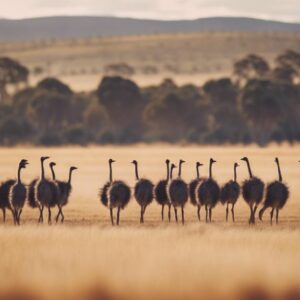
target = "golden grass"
x: 88, y: 259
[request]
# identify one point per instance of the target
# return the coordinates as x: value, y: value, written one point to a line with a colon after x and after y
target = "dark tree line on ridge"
x: 260, y: 103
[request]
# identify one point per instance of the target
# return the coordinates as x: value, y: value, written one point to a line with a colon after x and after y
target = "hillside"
x: 187, y: 58
x: 80, y: 27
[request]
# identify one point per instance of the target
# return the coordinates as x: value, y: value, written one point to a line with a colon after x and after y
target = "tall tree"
x: 124, y: 103
x: 252, y: 66
x: 265, y: 104
x: 11, y: 73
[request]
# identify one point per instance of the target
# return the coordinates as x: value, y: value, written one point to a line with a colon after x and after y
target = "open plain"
x: 87, y: 258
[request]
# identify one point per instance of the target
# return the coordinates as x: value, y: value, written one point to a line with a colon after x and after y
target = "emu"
x: 143, y: 191
x: 192, y: 189
x: 160, y: 193
x: 208, y: 193
x: 64, y: 188
x: 115, y: 194
x: 178, y: 193
x: 18, y: 194
x: 230, y: 193
x: 4, y: 197
x: 253, y: 191
x: 46, y: 193
x: 276, y: 196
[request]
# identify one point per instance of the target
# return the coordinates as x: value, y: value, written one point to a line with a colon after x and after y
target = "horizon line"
x: 151, y: 19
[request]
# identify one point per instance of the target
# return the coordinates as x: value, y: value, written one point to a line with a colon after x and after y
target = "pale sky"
x: 285, y: 10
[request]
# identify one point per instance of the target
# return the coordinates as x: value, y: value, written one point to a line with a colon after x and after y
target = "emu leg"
x: 227, y: 210
x: 232, y: 212
x: 175, y: 211
x: 261, y: 213
x: 210, y: 213
x: 19, y: 216
x: 4, y: 214
x: 162, y: 212
x: 198, y: 212
x: 41, y: 219
x: 206, y: 214
x: 112, y: 217
x: 169, y: 213
x: 118, y: 216
x: 271, y: 216
x: 58, y: 214
x: 144, y: 212
x: 277, y: 215
x: 141, y: 217
x: 252, y: 213
x: 49, y: 216
x: 62, y: 216
x: 182, y: 215
x: 15, y: 216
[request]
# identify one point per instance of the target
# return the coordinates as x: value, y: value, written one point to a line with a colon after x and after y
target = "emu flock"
x: 41, y: 193
x: 202, y: 192
x: 170, y: 192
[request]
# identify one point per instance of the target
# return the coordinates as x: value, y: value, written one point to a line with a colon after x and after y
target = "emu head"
x: 23, y: 163
x: 111, y: 161
x: 134, y: 162
x: 73, y: 169
x: 52, y: 164
x: 199, y: 164
x: 43, y: 158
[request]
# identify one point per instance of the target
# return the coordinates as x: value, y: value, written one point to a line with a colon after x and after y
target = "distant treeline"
x: 258, y: 104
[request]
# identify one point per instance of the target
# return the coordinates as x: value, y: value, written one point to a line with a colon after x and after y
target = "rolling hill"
x: 82, y: 27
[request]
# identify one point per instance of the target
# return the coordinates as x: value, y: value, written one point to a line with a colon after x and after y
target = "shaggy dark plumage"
x: 192, y: 191
x: 253, y: 190
x: 4, y: 192
x: 103, y: 194
x: 230, y: 192
x: 119, y: 194
x: 31, y: 194
x: 143, y: 192
x: 160, y: 192
x: 277, y: 195
x: 178, y: 192
x: 161, y: 195
x: 65, y: 190
x: 209, y: 193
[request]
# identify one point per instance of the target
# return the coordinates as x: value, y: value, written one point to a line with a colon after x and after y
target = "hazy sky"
x: 287, y: 10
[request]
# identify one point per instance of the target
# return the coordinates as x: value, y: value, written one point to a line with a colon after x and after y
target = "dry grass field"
x: 86, y: 258
x: 187, y: 58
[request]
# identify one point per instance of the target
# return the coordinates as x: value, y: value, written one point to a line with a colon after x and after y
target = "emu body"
x: 230, y: 193
x: 160, y: 193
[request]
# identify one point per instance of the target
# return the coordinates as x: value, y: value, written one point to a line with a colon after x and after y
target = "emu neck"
x: 171, y: 173
x: 70, y: 176
x: 110, y: 173
x: 210, y: 170
x: 19, y: 174
x: 136, y: 171
x: 279, y: 171
x: 249, y: 168
x: 197, y: 170
x: 168, y: 171
x: 179, y: 170
x: 235, y: 174
x: 43, y: 171
x: 53, y: 173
